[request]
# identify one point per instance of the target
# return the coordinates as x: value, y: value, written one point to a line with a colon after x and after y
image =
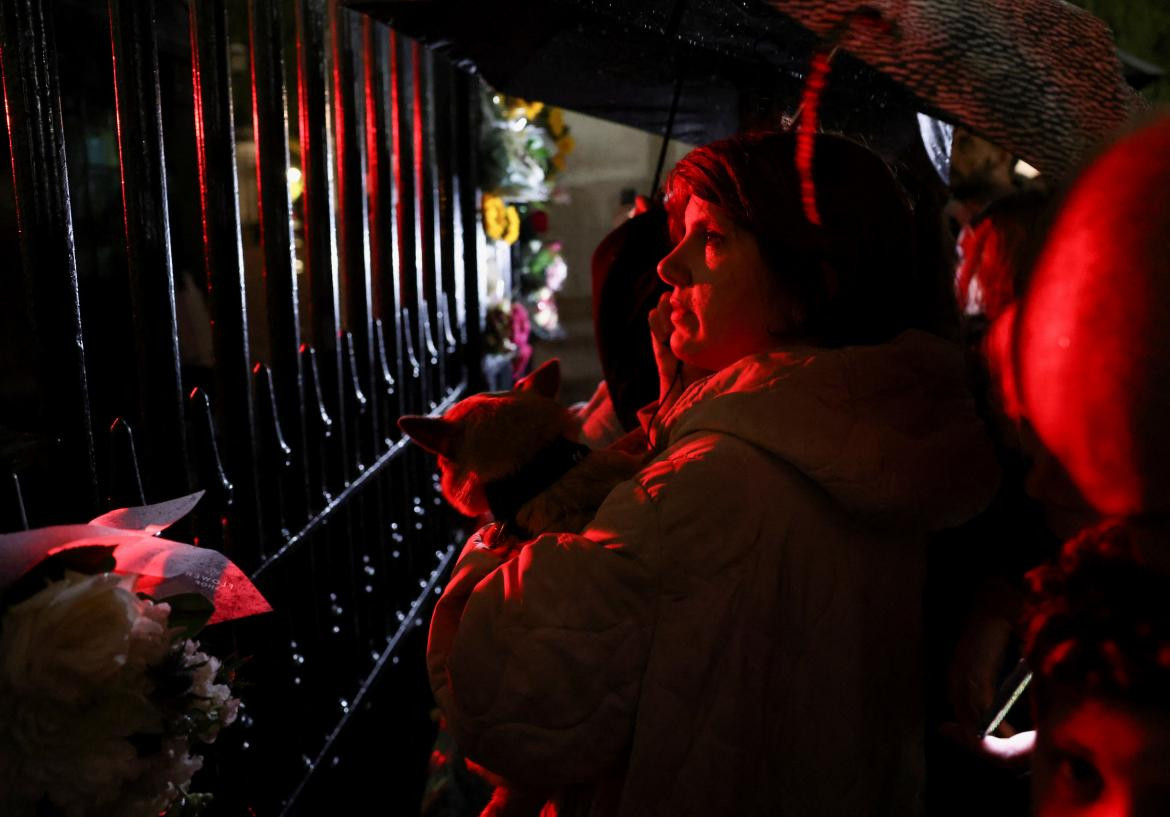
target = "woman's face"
x: 722, y: 302
x: 1098, y: 758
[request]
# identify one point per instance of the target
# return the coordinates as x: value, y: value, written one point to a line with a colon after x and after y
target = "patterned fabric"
x: 1037, y: 77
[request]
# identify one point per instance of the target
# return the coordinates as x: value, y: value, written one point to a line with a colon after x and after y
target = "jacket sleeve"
x: 536, y: 658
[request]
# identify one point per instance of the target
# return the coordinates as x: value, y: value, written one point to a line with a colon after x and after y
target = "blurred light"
x: 296, y: 183
x: 1024, y: 169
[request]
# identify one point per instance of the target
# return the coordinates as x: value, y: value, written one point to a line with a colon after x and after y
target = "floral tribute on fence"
x: 104, y: 691
x: 523, y: 148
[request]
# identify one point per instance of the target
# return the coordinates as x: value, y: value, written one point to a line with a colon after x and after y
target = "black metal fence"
x: 332, y: 289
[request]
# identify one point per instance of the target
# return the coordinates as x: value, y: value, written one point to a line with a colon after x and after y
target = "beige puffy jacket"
x: 738, y: 630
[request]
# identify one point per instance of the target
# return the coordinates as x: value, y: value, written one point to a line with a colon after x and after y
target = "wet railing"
x: 326, y: 309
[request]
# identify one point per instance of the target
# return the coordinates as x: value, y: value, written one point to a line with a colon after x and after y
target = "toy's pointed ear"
x: 433, y: 434
x: 545, y: 381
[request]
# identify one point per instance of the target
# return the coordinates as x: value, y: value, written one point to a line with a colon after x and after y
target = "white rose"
x: 150, y: 638
x: 69, y: 698
x: 68, y: 754
x: 68, y: 638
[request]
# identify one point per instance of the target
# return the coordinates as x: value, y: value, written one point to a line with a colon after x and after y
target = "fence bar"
x: 32, y: 103
x: 275, y: 458
x: 125, y: 475
x: 148, y: 245
x: 353, y: 220
x: 318, y: 429
x: 459, y: 187
x: 466, y: 126
x: 384, y: 255
x: 320, y: 257
x: 412, y: 620
x: 223, y: 260
x: 431, y: 209
x: 449, y: 268
x: 425, y: 217
x: 409, y: 231
x: 208, y: 467
x: 270, y: 126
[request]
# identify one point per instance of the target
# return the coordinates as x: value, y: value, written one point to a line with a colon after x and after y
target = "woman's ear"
x: 433, y: 434
x: 545, y: 381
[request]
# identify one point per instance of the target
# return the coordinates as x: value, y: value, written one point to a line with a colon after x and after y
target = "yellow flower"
x: 533, y: 109
x: 566, y: 144
x: 556, y: 122
x: 512, y: 217
x: 558, y: 162
x: 495, y: 216
x: 513, y: 105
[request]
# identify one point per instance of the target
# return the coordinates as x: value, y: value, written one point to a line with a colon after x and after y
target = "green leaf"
x: 189, y: 611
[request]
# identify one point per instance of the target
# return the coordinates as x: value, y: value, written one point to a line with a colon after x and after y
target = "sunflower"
x: 512, y: 219
x: 495, y: 217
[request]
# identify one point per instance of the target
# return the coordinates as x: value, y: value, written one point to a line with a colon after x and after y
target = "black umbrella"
x: 728, y: 63
x: 1040, y: 78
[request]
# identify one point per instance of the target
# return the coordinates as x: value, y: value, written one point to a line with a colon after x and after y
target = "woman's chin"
x: 697, y: 356
x: 678, y: 343
x: 685, y: 348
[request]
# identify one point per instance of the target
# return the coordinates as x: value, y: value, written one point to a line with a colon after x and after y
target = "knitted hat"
x: 1092, y: 342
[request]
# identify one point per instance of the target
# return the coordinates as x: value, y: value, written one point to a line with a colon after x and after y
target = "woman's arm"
x: 536, y: 657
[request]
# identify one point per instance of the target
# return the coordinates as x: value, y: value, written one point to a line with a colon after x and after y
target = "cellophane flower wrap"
x: 105, y: 697
x: 101, y: 702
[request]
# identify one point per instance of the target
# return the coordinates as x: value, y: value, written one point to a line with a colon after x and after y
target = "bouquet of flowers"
x: 507, y: 334
x: 104, y: 693
x: 542, y: 274
x: 523, y: 145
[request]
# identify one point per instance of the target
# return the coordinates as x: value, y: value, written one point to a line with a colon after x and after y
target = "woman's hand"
x: 673, y: 374
x: 983, y: 649
x: 975, y: 669
x: 1014, y: 752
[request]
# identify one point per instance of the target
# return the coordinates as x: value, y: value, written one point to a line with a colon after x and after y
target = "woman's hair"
x: 857, y: 278
x: 1099, y: 619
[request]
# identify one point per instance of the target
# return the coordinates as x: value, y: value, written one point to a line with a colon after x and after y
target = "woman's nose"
x: 672, y: 268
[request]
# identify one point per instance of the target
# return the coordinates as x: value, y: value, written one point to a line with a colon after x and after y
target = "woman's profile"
x: 738, y: 630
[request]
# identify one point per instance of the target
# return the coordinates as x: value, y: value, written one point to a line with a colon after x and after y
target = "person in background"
x: 980, y: 173
x: 975, y: 590
x: 626, y: 287
x: 1099, y: 647
x: 1088, y: 366
x: 738, y: 631
x: 996, y: 252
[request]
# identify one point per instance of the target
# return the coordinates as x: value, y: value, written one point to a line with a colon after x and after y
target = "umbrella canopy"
x: 1040, y: 78
x: 738, y: 61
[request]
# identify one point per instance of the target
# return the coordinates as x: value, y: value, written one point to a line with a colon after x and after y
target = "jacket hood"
x: 889, y: 431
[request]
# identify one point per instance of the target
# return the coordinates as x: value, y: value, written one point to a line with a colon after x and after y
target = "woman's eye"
x: 712, y: 238
x: 1081, y: 775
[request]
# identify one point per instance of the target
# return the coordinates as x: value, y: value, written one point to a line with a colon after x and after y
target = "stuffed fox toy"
x: 514, y: 454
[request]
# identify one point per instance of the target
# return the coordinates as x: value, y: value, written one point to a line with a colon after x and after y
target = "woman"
x: 737, y: 632
x: 1099, y: 644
